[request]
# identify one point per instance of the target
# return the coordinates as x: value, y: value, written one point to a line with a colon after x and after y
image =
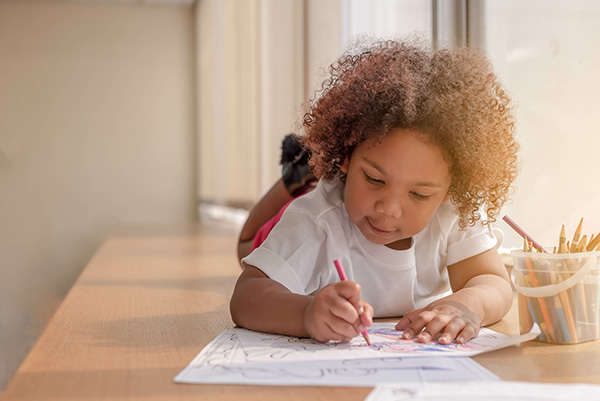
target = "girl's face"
x: 393, y: 188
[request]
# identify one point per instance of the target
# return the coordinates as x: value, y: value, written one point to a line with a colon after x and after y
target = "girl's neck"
x: 400, y: 245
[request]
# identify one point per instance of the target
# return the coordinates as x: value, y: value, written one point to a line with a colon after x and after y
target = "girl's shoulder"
x: 444, y: 221
x: 445, y: 225
x: 321, y: 203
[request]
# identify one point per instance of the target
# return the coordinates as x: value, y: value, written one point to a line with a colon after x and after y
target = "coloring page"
x: 223, y: 361
x: 386, y: 341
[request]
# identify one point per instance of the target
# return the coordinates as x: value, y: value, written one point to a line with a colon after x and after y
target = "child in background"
x: 296, y: 180
x: 415, y: 153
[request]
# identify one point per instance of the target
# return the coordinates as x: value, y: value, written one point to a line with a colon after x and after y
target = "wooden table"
x: 152, y: 298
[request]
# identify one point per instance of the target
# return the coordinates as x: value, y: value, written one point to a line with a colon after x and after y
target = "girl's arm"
x: 335, y: 313
x: 267, y: 207
x: 482, y: 295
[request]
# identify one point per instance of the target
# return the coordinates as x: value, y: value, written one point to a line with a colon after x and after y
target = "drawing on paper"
x: 400, y: 345
x: 244, y: 356
x: 386, y: 341
x: 224, y: 361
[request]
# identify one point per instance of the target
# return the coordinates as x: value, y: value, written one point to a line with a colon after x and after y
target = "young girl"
x: 415, y: 153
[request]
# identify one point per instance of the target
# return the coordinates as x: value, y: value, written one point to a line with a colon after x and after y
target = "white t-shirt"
x: 315, y: 230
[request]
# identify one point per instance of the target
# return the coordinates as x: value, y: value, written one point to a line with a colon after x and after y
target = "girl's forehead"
x: 404, y: 151
x: 402, y: 138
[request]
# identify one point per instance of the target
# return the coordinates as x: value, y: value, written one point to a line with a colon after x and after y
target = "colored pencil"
x: 522, y: 233
x: 343, y: 277
x: 593, y: 243
x: 562, y: 241
x: 576, y: 236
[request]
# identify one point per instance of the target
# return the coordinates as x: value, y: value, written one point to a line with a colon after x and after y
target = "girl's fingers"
x: 433, y: 328
x: 451, y: 331
x: 458, y: 330
x: 350, y: 291
x: 443, y: 322
x: 347, y: 304
x: 470, y: 331
x: 327, y: 334
x: 366, y: 318
x: 341, y: 330
x: 344, y: 310
x: 407, y: 319
x: 418, y: 323
x: 345, y: 315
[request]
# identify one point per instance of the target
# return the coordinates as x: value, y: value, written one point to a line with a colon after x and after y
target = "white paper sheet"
x: 489, y: 391
x: 386, y: 341
x: 224, y: 361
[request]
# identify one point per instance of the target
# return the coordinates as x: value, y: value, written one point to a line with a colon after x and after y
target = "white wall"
x: 96, y: 129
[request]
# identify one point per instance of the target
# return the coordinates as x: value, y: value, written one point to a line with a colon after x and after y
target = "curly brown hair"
x: 449, y: 94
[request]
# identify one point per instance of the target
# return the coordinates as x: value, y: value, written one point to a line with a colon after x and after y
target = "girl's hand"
x: 337, y: 313
x: 449, y: 318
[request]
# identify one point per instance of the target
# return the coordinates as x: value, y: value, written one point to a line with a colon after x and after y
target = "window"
x: 547, y: 54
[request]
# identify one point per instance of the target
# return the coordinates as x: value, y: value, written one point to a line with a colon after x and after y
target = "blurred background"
x: 136, y: 112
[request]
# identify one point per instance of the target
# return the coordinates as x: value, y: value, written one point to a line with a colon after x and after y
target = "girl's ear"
x: 447, y: 197
x: 344, y: 166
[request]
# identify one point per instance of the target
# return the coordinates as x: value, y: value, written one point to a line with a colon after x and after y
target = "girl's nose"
x: 389, y: 205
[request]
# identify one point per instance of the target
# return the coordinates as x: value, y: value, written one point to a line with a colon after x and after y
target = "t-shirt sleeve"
x: 462, y: 244
x: 294, y: 254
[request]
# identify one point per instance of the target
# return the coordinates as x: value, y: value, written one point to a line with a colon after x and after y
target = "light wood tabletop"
x: 152, y: 297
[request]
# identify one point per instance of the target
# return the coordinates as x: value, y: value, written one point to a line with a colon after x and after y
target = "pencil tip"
x: 366, y: 337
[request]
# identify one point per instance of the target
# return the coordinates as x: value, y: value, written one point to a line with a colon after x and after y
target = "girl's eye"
x: 420, y: 196
x: 373, y: 180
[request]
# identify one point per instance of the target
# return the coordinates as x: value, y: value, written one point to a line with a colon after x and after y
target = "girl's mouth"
x: 379, y: 232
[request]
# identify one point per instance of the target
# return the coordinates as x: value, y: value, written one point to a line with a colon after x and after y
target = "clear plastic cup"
x: 559, y: 292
